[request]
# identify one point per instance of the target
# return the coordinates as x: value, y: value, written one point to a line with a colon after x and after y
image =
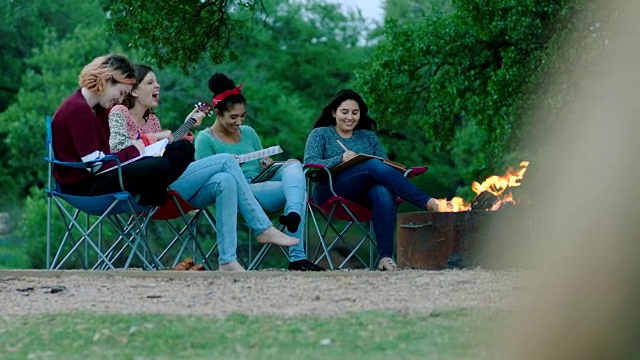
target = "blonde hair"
x: 96, y: 75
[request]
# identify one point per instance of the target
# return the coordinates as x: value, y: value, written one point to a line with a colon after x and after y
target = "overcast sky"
x: 370, y: 8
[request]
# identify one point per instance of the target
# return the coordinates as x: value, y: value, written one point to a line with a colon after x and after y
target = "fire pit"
x: 462, y: 234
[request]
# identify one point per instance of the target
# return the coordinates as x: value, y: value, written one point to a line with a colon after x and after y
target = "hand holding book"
x: 358, y: 158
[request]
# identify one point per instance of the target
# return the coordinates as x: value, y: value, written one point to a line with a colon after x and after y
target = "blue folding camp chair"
x: 104, y: 217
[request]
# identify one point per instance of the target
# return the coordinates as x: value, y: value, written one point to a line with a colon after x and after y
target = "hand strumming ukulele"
x: 184, y: 128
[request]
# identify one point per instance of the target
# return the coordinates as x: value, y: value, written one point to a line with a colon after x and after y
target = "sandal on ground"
x: 387, y: 264
x: 185, y: 264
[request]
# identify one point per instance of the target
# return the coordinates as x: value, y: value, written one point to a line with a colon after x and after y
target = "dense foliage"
x: 195, y: 26
x: 466, y: 68
x: 449, y: 81
x: 25, y: 24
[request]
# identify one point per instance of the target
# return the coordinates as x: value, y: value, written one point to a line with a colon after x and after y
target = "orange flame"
x: 496, y: 185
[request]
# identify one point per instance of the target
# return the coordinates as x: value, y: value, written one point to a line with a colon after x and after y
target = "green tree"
x: 291, y: 64
x: 25, y: 24
x: 467, y: 68
x: 195, y: 27
x: 291, y: 56
x: 405, y: 12
x: 51, y: 76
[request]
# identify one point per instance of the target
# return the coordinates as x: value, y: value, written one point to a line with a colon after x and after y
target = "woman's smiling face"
x: 114, y: 94
x: 347, y: 116
x: 147, y: 93
x: 232, y: 118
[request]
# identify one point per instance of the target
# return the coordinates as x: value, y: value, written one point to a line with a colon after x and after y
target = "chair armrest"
x: 415, y: 171
x: 313, y: 172
x: 85, y: 165
x: 314, y: 166
x: 89, y: 165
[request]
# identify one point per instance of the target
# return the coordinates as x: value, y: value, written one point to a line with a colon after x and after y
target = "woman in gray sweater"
x: 342, y: 131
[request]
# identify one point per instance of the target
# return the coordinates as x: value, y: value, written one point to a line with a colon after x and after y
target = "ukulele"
x: 184, y: 128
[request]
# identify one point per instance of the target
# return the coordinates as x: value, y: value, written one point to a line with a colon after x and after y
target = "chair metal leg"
x: 323, y: 250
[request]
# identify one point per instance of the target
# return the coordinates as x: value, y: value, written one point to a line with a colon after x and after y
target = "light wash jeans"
x: 287, y: 188
x: 217, y: 179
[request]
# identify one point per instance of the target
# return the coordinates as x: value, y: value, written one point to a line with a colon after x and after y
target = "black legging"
x: 147, y: 177
x: 180, y: 154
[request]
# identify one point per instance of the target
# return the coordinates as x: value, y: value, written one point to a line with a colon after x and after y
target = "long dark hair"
x: 326, y: 116
x: 219, y: 83
x: 129, y: 101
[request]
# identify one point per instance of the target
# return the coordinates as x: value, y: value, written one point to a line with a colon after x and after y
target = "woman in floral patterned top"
x: 125, y: 130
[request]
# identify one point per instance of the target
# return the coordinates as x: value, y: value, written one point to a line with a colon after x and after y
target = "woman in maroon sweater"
x: 80, y: 130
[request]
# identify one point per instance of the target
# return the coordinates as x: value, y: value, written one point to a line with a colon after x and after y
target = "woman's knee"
x: 184, y: 147
x: 225, y: 181
x: 227, y: 158
x: 294, y: 163
x: 376, y: 165
x: 293, y: 168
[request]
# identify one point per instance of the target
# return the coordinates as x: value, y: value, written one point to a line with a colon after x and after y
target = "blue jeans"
x: 374, y: 184
x: 287, y: 188
x: 217, y: 179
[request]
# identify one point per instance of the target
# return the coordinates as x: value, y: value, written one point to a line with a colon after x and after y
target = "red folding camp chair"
x: 333, y: 219
x: 181, y: 219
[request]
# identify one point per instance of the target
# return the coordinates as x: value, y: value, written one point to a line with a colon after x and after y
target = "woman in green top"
x: 287, y: 187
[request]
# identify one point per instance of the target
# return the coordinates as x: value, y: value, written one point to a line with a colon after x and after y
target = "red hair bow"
x: 225, y: 94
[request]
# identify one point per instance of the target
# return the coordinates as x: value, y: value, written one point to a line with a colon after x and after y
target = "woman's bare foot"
x: 439, y: 205
x: 275, y: 237
x: 432, y: 205
x: 232, y: 266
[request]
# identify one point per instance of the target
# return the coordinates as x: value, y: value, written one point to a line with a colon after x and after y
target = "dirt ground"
x: 264, y: 292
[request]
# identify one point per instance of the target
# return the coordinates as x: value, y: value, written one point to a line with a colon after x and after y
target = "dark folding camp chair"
x: 337, y: 219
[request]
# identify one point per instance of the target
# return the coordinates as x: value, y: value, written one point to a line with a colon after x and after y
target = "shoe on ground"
x: 387, y: 264
x: 198, y: 267
x: 185, y: 264
x: 233, y: 266
x: 304, y: 265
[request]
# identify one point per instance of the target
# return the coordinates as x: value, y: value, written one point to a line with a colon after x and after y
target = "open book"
x: 254, y: 155
x: 155, y: 149
x: 363, y: 157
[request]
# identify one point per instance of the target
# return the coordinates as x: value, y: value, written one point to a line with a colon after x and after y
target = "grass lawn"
x: 456, y: 334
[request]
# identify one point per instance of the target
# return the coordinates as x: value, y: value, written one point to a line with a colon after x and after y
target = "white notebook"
x: 254, y: 155
x: 155, y: 149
